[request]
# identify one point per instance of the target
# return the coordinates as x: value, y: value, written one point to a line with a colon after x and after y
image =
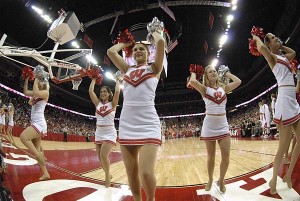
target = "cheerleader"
x: 32, y: 135
x: 287, y: 110
x: 139, y: 130
x: 215, y: 127
x: 11, y: 111
x: 106, y: 134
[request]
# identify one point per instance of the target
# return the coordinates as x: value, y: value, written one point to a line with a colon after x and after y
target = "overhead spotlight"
x: 226, y: 30
x: 228, y: 25
x: 75, y: 44
x: 223, y: 39
x: 234, y: 2
x: 229, y: 18
x: 234, y: 7
x: 220, y: 49
x: 47, y: 18
x: 226, y: 33
x: 91, y: 59
x: 109, y: 75
x: 214, y: 62
x: 38, y: 10
x: 220, y: 46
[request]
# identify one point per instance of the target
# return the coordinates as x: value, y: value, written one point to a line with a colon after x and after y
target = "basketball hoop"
x: 76, y: 82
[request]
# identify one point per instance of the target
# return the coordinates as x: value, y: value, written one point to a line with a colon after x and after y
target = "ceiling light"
x: 38, y: 10
x: 234, y: 7
x: 75, y: 44
x: 214, y: 62
x: 109, y: 75
x: 229, y: 18
x: 47, y: 18
x: 234, y: 2
x: 223, y: 39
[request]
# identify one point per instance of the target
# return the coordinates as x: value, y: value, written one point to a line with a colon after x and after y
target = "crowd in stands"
x: 245, y: 118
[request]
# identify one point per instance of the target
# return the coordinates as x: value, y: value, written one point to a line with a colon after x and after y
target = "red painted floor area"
x: 65, y: 168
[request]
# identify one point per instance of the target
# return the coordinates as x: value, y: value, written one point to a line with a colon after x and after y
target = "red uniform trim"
x: 214, y: 99
x: 287, y: 121
x: 105, y: 141
x: 135, y: 83
x: 139, y: 141
x: 105, y: 113
x: 219, y: 137
x: 286, y: 64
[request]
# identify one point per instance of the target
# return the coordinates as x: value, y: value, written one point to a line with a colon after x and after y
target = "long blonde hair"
x: 205, y: 78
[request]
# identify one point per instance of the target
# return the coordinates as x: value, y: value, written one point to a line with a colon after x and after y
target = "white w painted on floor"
x: 235, y: 193
x: 39, y: 190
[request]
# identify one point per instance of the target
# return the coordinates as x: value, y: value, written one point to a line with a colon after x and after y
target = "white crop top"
x: 105, y: 114
x: 283, y: 71
x: 139, y: 86
x: 37, y: 110
x: 215, y: 100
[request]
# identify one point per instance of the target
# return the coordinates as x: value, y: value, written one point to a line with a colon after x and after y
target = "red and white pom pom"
x: 258, y: 32
x: 198, y: 70
x: 294, y: 64
x: 94, y: 73
x: 126, y: 37
x: 252, y: 47
x: 99, y: 79
x: 27, y: 72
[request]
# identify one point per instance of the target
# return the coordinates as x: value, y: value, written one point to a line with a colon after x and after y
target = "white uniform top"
x: 215, y: 100
x: 37, y: 110
x: 266, y: 113
x: 273, y: 103
x: 283, y: 71
x: 3, y: 119
x: 11, y: 119
x: 105, y: 114
x: 139, y: 86
x: 261, y: 113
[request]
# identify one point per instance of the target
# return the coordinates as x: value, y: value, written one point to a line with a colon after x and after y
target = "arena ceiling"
x: 191, y: 28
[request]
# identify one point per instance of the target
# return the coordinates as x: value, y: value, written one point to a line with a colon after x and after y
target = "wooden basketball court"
x: 76, y: 173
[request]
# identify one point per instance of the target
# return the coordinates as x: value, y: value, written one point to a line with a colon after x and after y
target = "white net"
x: 76, y: 82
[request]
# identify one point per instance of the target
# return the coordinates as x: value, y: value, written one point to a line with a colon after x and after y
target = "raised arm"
x: 262, y: 48
x: 234, y: 84
x: 289, y: 53
x: 197, y: 85
x: 26, y: 91
x: 44, y: 94
x: 157, y: 66
x: 113, y: 54
x: 116, y: 95
x: 92, y: 94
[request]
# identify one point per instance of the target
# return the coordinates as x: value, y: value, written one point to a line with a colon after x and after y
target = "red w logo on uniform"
x: 103, y: 109
x: 136, y: 74
x: 218, y: 95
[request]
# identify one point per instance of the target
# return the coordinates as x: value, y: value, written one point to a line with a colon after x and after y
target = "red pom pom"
x: 197, y: 69
x: 94, y: 73
x: 258, y: 32
x: 126, y: 37
x: 99, y: 79
x: 252, y: 48
x: 294, y: 64
x: 27, y: 72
